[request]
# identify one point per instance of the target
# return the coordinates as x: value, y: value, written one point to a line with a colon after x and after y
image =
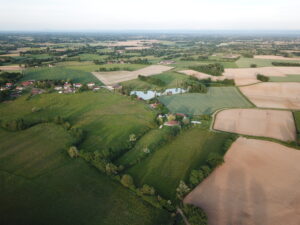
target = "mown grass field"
x: 246, y: 62
x: 40, y: 184
x: 104, y: 116
x: 59, y: 73
x: 171, y: 79
x: 173, y: 162
x: 288, y: 78
x: 205, y: 103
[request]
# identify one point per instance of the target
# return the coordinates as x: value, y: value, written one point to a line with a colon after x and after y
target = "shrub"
x: 127, y: 181
x: 73, y: 152
x: 182, y: 190
x: 195, y: 215
x: 262, y: 78
x: 253, y: 65
x: 214, y: 160
x: 147, y: 190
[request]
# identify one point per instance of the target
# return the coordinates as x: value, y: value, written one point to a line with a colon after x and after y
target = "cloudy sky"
x: 49, y: 15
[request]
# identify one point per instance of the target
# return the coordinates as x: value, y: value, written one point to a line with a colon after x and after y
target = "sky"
x: 77, y: 15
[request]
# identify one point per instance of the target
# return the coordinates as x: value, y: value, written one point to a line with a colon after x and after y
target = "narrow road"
x: 183, y: 216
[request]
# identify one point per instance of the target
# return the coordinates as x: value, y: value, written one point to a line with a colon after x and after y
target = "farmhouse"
x: 172, y: 123
x: 90, y: 84
x: 27, y: 83
x: 58, y: 88
x: 9, y: 85
x: 67, y: 85
x: 154, y: 105
x: 77, y: 85
x: 19, y: 88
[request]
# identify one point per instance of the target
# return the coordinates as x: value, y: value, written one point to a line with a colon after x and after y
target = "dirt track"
x: 276, y: 124
x: 110, y: 78
x: 257, y: 185
x: 274, y: 95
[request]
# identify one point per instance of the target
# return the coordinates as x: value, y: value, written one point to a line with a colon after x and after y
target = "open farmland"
x: 170, y: 78
x: 104, y: 116
x: 287, y: 78
x: 10, y: 68
x: 115, y: 77
x: 59, y: 73
x: 40, y: 184
x: 274, y: 95
x: 255, y: 185
x: 276, y: 57
x: 247, y: 62
x: 257, y: 122
x: 246, y: 76
x: 205, y: 103
x: 173, y: 161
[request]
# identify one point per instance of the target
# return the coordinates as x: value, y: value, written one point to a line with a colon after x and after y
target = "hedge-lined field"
x: 40, y: 184
x: 174, y: 161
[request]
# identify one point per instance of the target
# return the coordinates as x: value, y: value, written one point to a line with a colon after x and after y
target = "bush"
x: 262, y: 78
x: 182, y: 190
x: 214, y: 160
x: 127, y: 181
x: 147, y: 190
x: 14, y: 125
x: 195, y: 215
x: 253, y: 65
x: 73, y: 152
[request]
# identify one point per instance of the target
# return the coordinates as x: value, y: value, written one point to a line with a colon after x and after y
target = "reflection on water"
x: 146, y: 95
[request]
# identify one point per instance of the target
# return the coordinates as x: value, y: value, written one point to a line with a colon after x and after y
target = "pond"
x: 147, y: 95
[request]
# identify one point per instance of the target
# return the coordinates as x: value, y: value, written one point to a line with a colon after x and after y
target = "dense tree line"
x: 285, y: 64
x: 152, y: 80
x: 215, y: 69
x: 7, y: 77
x: 262, y: 78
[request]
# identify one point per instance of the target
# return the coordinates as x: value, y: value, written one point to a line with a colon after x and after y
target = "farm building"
x: 90, y: 84
x: 172, y: 123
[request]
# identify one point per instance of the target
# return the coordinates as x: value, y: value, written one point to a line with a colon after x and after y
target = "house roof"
x: 172, y: 123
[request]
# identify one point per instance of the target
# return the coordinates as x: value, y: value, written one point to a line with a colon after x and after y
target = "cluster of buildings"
x: 72, y: 88
x: 22, y: 86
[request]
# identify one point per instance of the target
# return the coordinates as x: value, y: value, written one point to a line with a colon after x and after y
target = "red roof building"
x: 172, y: 123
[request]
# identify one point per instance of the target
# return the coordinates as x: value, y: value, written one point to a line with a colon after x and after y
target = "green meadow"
x: 174, y: 161
x: 59, y: 73
x: 40, y: 184
x: 205, y: 103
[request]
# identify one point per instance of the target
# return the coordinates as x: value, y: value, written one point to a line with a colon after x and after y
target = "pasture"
x: 59, y: 73
x: 258, y: 179
x: 276, y: 124
x: 287, y: 78
x: 173, y: 161
x: 40, y: 184
x: 205, y: 103
x: 103, y: 116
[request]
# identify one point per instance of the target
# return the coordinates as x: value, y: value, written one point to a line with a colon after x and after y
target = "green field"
x: 59, y: 73
x: 171, y: 79
x: 288, y: 78
x: 200, y: 103
x: 40, y: 184
x: 174, y: 161
x: 151, y: 140
x: 246, y: 62
x: 104, y: 116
